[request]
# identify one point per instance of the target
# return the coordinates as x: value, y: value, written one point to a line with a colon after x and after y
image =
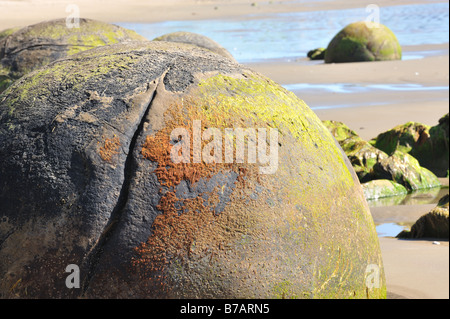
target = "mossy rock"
x: 87, y: 179
x: 363, y: 41
x: 381, y: 188
x: 429, y: 145
x: 435, y: 224
x: 404, y: 138
x: 31, y: 47
x: 316, y: 54
x: 8, y: 32
x: 198, y: 40
x: 370, y: 163
x: 404, y: 169
x: 361, y: 154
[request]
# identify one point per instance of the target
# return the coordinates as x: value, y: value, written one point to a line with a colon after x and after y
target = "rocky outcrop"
x: 370, y: 163
x: 428, y: 144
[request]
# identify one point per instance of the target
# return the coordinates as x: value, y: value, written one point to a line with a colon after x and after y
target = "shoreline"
x: 414, y: 268
x: 142, y: 11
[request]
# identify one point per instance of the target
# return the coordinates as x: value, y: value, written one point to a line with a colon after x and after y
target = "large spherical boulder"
x: 196, y: 39
x: 101, y: 169
x: 23, y: 50
x: 363, y: 41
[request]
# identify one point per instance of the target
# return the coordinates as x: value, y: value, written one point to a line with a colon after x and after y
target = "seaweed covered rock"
x: 26, y: 49
x: 363, y: 41
x: 370, y: 163
x: 435, y: 224
x: 316, y: 54
x: 361, y: 154
x: 429, y: 145
x: 381, y: 188
x: 404, y: 169
x: 108, y: 163
x: 196, y: 39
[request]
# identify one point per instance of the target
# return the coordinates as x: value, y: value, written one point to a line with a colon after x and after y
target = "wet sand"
x: 414, y: 269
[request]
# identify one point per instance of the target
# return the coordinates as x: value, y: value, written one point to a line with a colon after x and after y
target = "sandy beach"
x: 418, y: 92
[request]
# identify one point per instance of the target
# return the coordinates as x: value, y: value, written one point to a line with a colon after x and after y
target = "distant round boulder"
x: 127, y: 167
x: 196, y: 39
x: 26, y: 49
x: 363, y: 41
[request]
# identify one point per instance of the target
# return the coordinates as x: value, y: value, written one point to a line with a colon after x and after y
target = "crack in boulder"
x: 95, y: 253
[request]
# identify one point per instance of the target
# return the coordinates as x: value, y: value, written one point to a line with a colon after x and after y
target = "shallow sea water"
x: 289, y: 36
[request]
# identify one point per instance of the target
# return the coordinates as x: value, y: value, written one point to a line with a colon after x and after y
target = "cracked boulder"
x: 120, y: 167
x: 25, y: 49
x: 196, y: 39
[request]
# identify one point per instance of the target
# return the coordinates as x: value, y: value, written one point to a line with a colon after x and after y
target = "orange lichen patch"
x: 110, y: 148
x: 157, y: 149
x: 188, y: 227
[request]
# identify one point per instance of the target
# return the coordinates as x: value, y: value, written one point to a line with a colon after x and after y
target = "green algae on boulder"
x: 361, y: 154
x: 316, y: 54
x: 381, y: 188
x: 435, y: 224
x: 31, y: 47
x: 196, y: 39
x: 7, y: 32
x: 363, y: 41
x: 429, y: 145
x: 88, y: 178
x: 404, y: 169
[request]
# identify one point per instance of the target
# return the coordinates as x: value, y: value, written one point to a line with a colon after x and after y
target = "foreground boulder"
x: 363, y: 41
x: 90, y: 178
x: 26, y: 49
x: 196, y: 39
x: 429, y: 145
x: 435, y: 224
x: 370, y: 163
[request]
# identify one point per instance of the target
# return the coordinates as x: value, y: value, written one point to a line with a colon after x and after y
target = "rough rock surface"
x: 363, y: 41
x: 198, y: 40
x: 31, y: 47
x: 87, y: 178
